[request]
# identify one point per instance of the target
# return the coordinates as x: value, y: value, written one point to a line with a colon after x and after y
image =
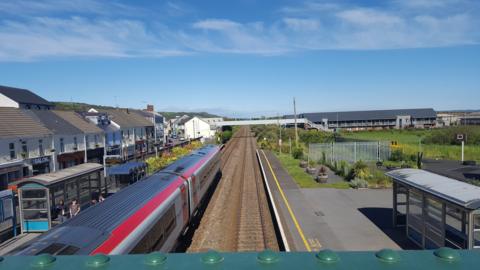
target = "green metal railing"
x: 443, y: 258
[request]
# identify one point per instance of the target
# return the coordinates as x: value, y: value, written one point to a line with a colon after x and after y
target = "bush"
x: 361, y: 170
x: 397, y: 155
x: 297, y: 152
x: 358, y: 183
x: 226, y: 136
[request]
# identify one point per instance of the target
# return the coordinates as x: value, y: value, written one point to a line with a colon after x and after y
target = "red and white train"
x: 149, y: 215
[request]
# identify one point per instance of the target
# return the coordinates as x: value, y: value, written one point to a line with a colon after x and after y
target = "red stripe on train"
x: 128, y: 226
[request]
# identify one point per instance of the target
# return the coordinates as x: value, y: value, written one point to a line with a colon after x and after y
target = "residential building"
x: 68, y: 141
x: 159, y: 125
x: 377, y: 119
x: 93, y: 136
x: 212, y: 120
x: 25, y: 147
x: 133, y: 131
x: 196, y: 127
x: 22, y: 99
x: 176, y: 126
x: 111, y: 130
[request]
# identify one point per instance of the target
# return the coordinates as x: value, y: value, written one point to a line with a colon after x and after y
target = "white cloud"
x: 368, y: 17
x: 216, y: 24
x: 76, y: 36
x: 92, y: 28
x: 297, y: 24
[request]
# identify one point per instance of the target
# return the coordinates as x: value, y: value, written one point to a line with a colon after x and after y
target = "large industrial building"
x: 377, y: 119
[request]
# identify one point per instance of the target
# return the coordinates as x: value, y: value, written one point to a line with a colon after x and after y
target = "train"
x: 149, y: 215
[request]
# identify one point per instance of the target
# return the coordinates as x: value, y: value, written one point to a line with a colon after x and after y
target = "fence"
x: 349, y: 151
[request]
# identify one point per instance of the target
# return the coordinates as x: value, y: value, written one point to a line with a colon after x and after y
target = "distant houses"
x: 37, y: 139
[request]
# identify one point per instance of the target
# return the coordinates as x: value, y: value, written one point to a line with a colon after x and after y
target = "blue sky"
x: 245, y: 58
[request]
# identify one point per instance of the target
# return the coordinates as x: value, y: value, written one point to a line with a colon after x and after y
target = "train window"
x: 155, y: 238
x: 51, y: 249
x: 69, y: 250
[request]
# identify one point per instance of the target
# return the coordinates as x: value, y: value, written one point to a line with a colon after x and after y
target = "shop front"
x: 95, y: 155
x: 12, y: 172
x: 68, y: 160
x: 40, y: 165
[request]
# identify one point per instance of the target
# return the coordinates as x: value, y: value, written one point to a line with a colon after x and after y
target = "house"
x: 111, y: 131
x: 69, y: 141
x: 176, y: 127
x: 196, y: 127
x: 25, y: 147
x: 93, y: 135
x: 213, y: 120
x: 22, y: 99
x: 133, y: 131
x: 158, y: 120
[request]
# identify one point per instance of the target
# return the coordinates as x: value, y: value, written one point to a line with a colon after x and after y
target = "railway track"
x: 237, y: 217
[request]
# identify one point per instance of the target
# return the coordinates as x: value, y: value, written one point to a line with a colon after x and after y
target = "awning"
x: 126, y: 168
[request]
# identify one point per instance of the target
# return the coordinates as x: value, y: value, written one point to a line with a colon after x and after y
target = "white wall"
x: 7, y: 102
x: 32, y: 147
x: 91, y: 140
x: 195, y: 128
x: 68, y: 141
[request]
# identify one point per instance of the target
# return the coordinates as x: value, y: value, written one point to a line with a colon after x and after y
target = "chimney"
x: 150, y: 108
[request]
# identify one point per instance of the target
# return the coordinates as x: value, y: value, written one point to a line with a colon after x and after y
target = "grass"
x: 409, y: 142
x: 303, y: 179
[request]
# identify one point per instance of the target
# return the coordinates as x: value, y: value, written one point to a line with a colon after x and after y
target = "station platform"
x: 321, y: 218
x: 17, y: 241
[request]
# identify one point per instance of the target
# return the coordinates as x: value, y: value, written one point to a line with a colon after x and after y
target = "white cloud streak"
x: 91, y: 28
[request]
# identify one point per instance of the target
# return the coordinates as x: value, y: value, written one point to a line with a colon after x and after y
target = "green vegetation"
x: 77, y: 106
x: 155, y: 164
x: 303, y: 179
x: 435, y: 144
x: 224, y: 136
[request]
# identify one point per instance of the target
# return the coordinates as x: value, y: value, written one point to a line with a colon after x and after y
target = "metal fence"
x: 349, y: 151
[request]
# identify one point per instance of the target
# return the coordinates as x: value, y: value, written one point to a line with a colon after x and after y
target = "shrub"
x: 361, y: 170
x: 358, y: 183
x: 397, y: 155
x: 297, y: 152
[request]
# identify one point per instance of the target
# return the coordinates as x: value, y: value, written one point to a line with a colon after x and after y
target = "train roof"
x: 93, y: 225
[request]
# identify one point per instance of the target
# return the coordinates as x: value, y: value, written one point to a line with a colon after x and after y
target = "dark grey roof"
x: 53, y: 122
x: 23, y: 96
x: 368, y: 115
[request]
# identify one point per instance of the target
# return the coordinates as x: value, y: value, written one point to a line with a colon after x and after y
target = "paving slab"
x: 332, y: 218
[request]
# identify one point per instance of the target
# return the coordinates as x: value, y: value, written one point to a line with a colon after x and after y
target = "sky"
x: 245, y: 58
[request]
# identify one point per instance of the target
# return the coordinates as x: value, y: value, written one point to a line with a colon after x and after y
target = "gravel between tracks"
x: 237, y: 217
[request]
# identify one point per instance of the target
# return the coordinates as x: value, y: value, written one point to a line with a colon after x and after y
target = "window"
x: 24, y: 149
x: 41, y: 152
x: 95, y: 138
x: 62, y: 145
x: 75, y: 143
x: 86, y: 142
x: 476, y: 231
x: 13, y: 154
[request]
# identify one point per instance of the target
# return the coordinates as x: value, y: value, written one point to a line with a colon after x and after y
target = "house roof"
x: 16, y: 124
x: 77, y: 121
x: 454, y: 191
x: 127, y: 119
x: 23, y: 96
x: 53, y: 122
x: 368, y: 115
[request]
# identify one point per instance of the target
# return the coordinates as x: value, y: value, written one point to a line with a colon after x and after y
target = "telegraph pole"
x: 296, y: 128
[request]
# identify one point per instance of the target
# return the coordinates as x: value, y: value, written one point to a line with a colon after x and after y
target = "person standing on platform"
x: 62, y: 211
x: 74, y: 208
